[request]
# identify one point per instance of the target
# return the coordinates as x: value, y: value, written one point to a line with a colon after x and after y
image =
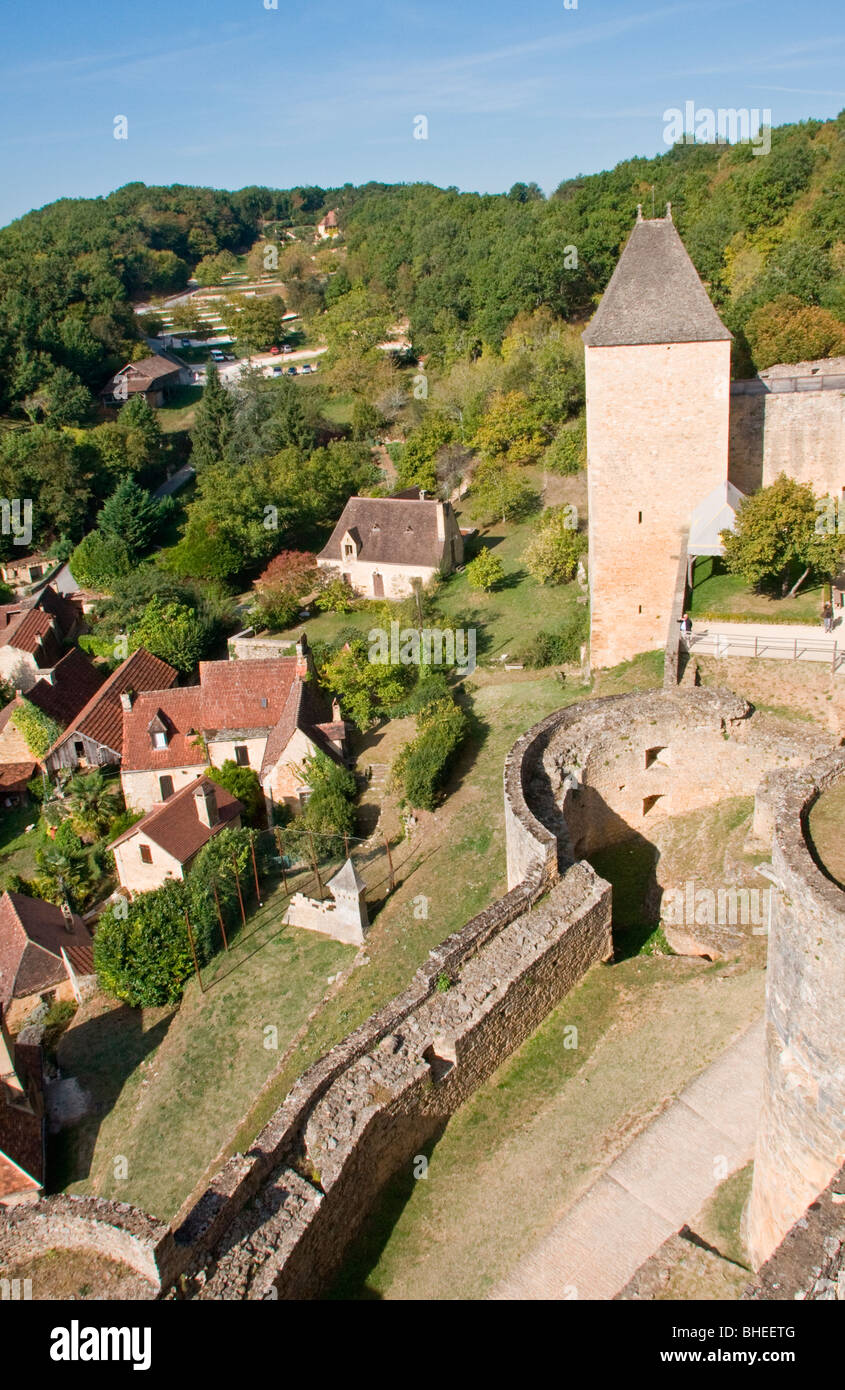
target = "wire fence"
x: 285, y: 861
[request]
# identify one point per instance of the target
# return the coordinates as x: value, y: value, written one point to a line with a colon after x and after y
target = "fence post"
x: 315, y: 865
x: 219, y: 914
x: 833, y: 664
x: 255, y: 870
x: 795, y: 650
x: 194, y: 952
x: 280, y: 842
x: 240, y: 894
x: 756, y: 639
x: 390, y: 862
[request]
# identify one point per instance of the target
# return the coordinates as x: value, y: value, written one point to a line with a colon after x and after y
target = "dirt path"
x: 656, y: 1185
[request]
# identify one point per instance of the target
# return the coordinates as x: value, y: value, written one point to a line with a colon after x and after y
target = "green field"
x: 717, y: 594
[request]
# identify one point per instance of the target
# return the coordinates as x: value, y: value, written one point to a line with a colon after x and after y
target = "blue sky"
x: 229, y: 92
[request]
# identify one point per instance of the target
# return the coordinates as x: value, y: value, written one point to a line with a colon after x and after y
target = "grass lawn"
x: 179, y: 410
x: 17, y: 849
x: 716, y: 593
x: 167, y: 1087
x: 553, y: 1116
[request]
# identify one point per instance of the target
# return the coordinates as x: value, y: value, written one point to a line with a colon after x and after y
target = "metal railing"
x: 712, y: 642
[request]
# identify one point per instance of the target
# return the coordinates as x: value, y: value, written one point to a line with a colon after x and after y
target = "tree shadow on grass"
x: 100, y: 1054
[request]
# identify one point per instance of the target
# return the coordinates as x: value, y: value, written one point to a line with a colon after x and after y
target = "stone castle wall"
x: 809, y: 1264
x: 800, y: 433
x: 111, y: 1229
x: 657, y: 444
x: 801, y: 1136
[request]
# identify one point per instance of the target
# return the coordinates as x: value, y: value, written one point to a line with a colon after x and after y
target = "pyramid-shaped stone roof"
x: 655, y: 294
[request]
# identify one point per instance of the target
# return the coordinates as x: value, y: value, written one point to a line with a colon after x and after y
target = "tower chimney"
x: 126, y: 699
x: 668, y: 212
x: 303, y: 658
x: 68, y: 916
x: 205, y: 799
x: 639, y: 212
x: 441, y: 521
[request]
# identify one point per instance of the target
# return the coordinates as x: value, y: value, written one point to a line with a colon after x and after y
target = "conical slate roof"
x: 655, y: 294
x: 347, y: 879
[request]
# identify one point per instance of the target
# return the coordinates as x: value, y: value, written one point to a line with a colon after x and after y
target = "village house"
x: 19, y: 571
x: 328, y: 229
x: 381, y: 545
x: 22, y: 1126
x: 33, y: 635
x: 60, y: 694
x: 164, y: 844
x: 94, y: 737
x: 265, y: 714
x: 46, y: 953
x: 153, y: 377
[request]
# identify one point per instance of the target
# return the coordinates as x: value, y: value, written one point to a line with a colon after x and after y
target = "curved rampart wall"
x: 801, y: 1135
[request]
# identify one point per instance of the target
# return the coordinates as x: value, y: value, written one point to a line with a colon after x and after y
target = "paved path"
x: 661, y: 1181
x: 775, y: 641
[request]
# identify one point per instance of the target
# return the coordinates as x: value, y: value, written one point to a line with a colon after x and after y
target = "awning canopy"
x: 715, y: 514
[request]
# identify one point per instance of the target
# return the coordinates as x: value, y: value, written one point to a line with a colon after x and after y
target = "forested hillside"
x: 495, y: 290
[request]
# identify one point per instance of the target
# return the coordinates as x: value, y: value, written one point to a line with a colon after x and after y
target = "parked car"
x: 306, y: 367
x: 274, y: 351
x: 277, y: 371
x: 286, y: 347
x: 216, y: 355
x: 291, y: 371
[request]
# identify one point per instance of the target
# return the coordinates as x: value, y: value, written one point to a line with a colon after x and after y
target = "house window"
x: 241, y: 755
x: 159, y: 739
x: 79, y: 749
x: 166, y: 787
x: 640, y: 518
x: 146, y: 854
x: 348, y: 551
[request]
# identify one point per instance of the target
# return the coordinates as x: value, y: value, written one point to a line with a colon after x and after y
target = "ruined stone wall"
x: 809, y: 1264
x: 801, y: 1135
x: 800, y: 433
x: 112, y: 1229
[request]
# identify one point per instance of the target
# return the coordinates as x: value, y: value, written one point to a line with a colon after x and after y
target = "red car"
x: 274, y: 351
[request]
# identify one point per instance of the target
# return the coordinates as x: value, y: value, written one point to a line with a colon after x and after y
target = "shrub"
x: 567, y: 452
x: 145, y: 958
x: 243, y: 783
x: 553, y: 555
x: 558, y: 648
x: 422, y: 765
x: 486, y: 571
x: 336, y: 597
x: 38, y: 730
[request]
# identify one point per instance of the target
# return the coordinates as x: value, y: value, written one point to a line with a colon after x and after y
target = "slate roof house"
x: 153, y: 378
x: 164, y: 844
x: 264, y: 714
x: 45, y: 951
x: 33, y: 635
x: 94, y: 737
x: 60, y: 694
x: 381, y: 544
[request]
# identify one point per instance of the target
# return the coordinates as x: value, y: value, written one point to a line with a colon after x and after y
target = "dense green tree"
x: 100, y: 560
x: 780, y: 538
x: 553, y: 555
x: 133, y: 516
x: 243, y: 783
x: 500, y: 492
x: 212, y: 422
x: 171, y: 631
x: 486, y: 571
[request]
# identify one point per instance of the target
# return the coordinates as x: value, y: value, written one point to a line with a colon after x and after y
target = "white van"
x: 216, y: 355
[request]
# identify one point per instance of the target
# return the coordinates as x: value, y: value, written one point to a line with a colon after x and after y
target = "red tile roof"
x: 75, y: 681
x: 175, y: 825
x: 102, y: 718
x: 14, y: 1180
x: 32, y: 936
x: 14, y: 776
x: 180, y: 710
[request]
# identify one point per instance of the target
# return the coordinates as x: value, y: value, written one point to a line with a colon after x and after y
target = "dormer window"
x: 158, y: 731
x: 348, y: 550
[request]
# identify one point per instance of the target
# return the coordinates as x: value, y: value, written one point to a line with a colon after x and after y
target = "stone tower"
x: 658, y: 400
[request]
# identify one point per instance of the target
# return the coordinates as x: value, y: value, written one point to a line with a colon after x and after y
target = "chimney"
x: 639, y: 212
x: 441, y: 521
x: 68, y: 916
x: 337, y: 717
x: 668, y: 212
x: 206, y: 803
x: 126, y: 699
x: 303, y: 658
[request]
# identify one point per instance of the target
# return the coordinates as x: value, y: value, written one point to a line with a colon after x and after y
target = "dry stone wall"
x: 800, y: 433
x: 809, y: 1264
